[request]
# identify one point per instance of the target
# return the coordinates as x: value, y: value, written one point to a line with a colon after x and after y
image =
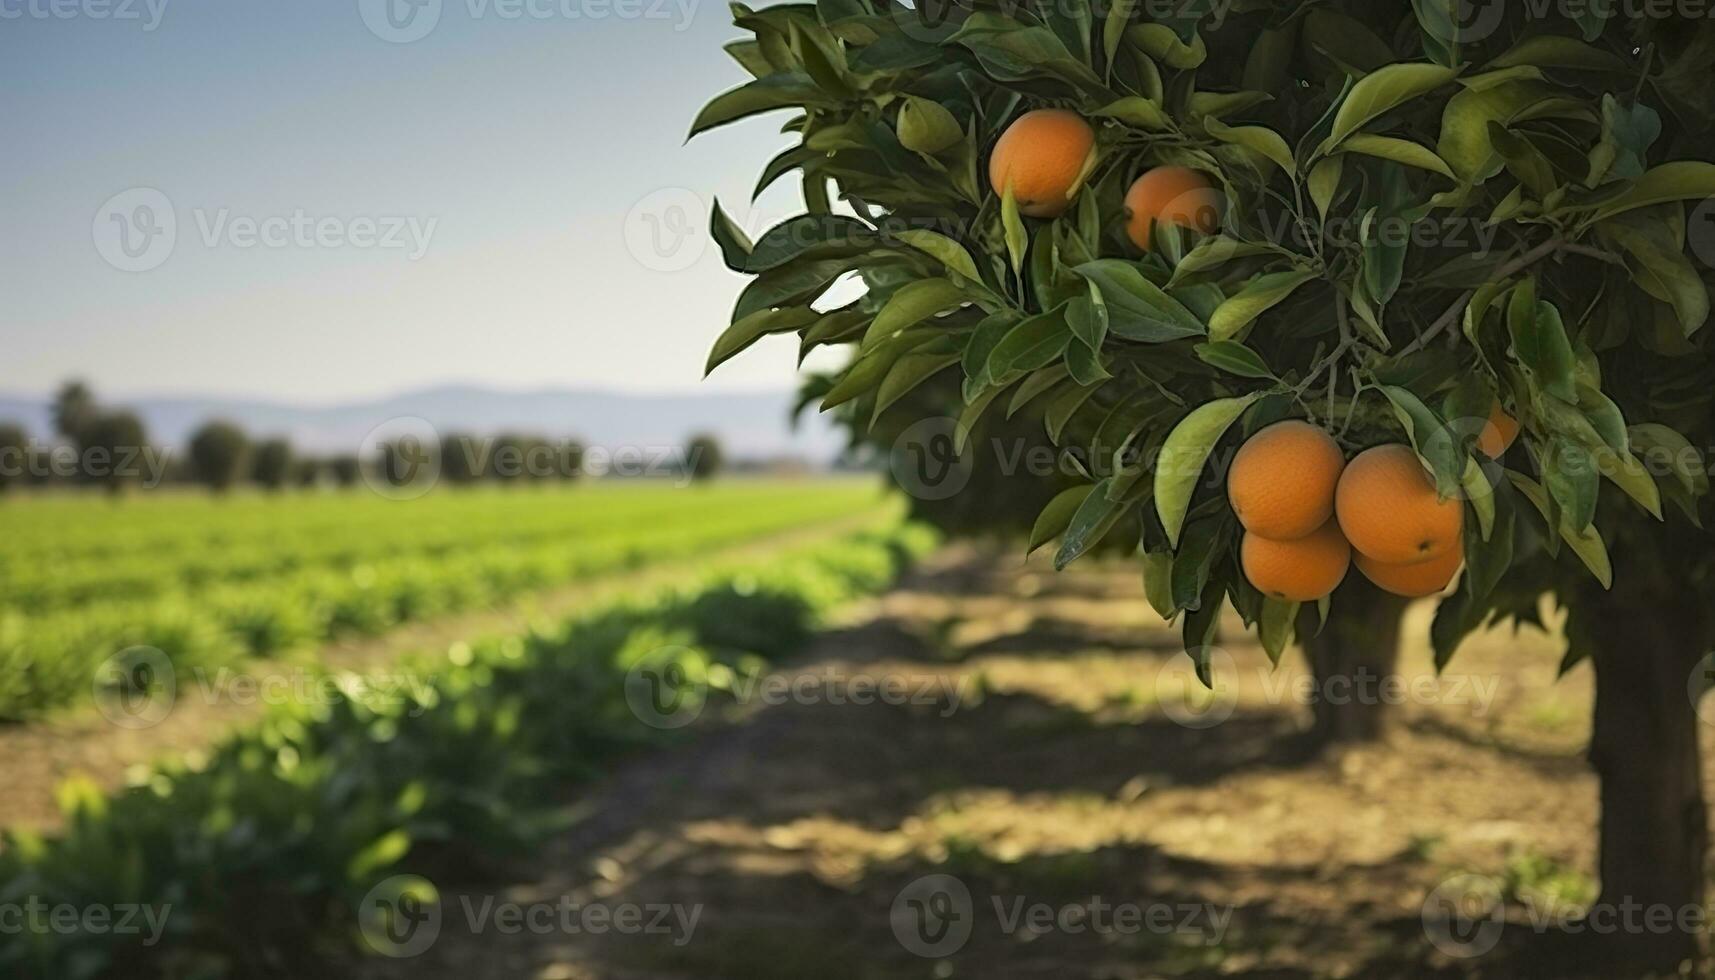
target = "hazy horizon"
x: 505, y: 202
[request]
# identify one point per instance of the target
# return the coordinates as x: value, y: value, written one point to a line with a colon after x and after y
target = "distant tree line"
x: 109, y: 448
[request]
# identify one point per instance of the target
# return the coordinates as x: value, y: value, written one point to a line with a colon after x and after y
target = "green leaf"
x: 1684, y: 180
x: 1158, y: 583
x: 1259, y: 139
x: 1135, y: 110
x: 1324, y: 182
x: 1063, y: 406
x: 1034, y: 343
x: 1017, y: 239
x: 1430, y: 437
x: 1194, y: 563
x: 1010, y: 51
x: 784, y: 90
x: 1663, y: 448
x: 968, y: 419
x: 1084, y: 363
x: 1464, y: 142
x: 1184, y: 455
x: 1587, y: 545
x: 1557, y: 51
x: 754, y: 327
x: 1381, y: 91
x: 1096, y: 516
x: 734, y: 243
x: 1212, y: 253
x: 948, y: 252
x: 927, y: 127
x: 1234, y: 358
x: 1274, y: 629
x: 1540, y: 341
x: 1137, y: 308
x: 1161, y: 43
x: 1572, y: 480
x: 912, y: 304
x: 1480, y: 495
x: 1624, y: 471
x: 1088, y: 317
x: 868, y: 371
x: 819, y: 235
x: 1658, y: 264
x: 1033, y: 387
x: 1057, y: 516
x: 1259, y: 296
x: 906, y: 374
x: 1399, y: 151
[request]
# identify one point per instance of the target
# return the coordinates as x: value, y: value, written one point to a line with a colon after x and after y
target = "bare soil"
x: 1047, y: 772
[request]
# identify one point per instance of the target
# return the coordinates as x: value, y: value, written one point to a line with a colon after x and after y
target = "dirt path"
x: 209, y: 703
x: 1047, y: 774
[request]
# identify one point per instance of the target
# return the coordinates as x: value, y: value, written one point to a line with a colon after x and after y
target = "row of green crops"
x: 63, y: 552
x: 265, y: 850
x: 49, y: 660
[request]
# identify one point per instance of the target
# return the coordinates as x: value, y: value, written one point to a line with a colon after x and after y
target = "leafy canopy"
x: 1422, y: 219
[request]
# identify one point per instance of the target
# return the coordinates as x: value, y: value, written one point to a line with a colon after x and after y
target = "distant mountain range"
x: 751, y: 425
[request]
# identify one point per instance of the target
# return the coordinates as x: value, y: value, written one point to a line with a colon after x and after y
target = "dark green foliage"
x: 704, y: 458
x: 116, y: 452
x: 271, y: 464
x: 219, y: 453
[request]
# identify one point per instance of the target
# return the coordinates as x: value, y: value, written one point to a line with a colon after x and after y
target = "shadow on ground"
x: 1025, y: 806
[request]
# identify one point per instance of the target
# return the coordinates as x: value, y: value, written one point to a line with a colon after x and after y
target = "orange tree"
x: 1463, y: 249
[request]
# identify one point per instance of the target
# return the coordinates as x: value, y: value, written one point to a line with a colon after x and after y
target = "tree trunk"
x: 1349, y: 659
x: 1643, y: 745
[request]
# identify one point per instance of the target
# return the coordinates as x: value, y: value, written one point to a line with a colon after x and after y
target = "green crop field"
x: 216, y: 580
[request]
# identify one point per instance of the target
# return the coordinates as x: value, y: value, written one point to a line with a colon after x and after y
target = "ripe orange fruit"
x: 1282, y: 480
x: 1412, y: 581
x: 1498, y: 432
x: 1299, y: 571
x: 1042, y: 153
x: 1175, y: 195
x: 1389, y: 511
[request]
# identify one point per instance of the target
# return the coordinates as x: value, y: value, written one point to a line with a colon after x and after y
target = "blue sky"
x: 504, y: 201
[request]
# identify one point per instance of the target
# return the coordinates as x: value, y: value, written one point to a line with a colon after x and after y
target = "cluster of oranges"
x: 1309, y: 515
x: 1042, y: 155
